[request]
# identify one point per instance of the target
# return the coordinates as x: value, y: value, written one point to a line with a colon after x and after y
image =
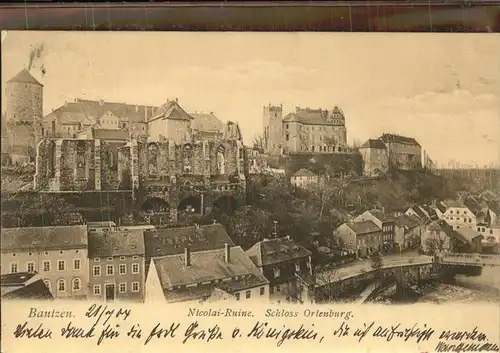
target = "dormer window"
x: 276, y: 272
x: 221, y: 163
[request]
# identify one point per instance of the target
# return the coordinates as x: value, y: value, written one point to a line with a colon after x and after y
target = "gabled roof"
x: 89, y: 111
x: 454, y: 203
x: 407, y: 221
x: 171, y: 110
x: 304, y: 172
x: 116, y: 243
x: 24, y: 77
x: 272, y: 251
x: 363, y: 227
x: 43, y: 238
x: 381, y: 216
x: 206, y: 122
x: 310, y: 116
x: 24, y: 286
x: 207, y: 270
x: 468, y: 233
x: 173, y: 241
x: 441, y: 207
x: 393, y: 138
x: 374, y: 143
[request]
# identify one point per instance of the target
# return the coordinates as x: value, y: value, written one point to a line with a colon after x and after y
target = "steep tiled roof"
x: 388, y: 138
x: 206, y: 122
x: 374, y: 143
x: 381, y: 216
x: 468, y: 233
x: 273, y: 251
x: 407, y: 221
x: 313, y: 116
x: 116, y: 243
x: 44, y: 238
x: 173, y: 241
x: 419, y: 212
x: 453, y: 203
x: 304, y: 172
x: 171, y: 110
x: 441, y: 207
x: 25, y: 77
x: 24, y: 286
x: 89, y: 111
x: 363, y: 227
x: 209, y: 266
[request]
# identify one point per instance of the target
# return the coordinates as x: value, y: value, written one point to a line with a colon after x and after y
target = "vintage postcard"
x: 250, y: 191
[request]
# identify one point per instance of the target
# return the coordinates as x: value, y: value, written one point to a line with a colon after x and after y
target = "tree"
x: 435, y: 243
x: 328, y: 285
x: 259, y: 143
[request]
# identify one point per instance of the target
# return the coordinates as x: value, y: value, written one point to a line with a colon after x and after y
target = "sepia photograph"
x: 302, y: 168
x: 288, y: 169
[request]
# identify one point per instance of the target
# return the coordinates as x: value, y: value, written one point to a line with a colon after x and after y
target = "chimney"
x: 227, y: 253
x: 176, y: 100
x: 187, y: 257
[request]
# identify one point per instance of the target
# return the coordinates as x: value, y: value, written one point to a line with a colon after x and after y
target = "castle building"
x: 375, y: 158
x: 405, y: 153
x: 24, y: 112
x: 165, y: 173
x: 305, y: 130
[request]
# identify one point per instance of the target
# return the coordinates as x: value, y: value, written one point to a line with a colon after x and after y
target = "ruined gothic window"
x: 51, y: 159
x: 188, y: 159
x: 221, y: 163
x: 80, y: 161
x: 110, y: 160
x: 152, y: 160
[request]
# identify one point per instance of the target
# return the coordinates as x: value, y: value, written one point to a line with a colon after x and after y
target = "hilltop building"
x: 405, y: 153
x: 375, y: 158
x: 305, y: 130
x: 23, y: 118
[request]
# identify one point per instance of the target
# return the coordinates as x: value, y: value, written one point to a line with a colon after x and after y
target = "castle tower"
x: 24, y: 113
x: 273, y: 129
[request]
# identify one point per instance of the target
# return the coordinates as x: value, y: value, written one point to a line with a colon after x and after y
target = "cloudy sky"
x: 443, y: 89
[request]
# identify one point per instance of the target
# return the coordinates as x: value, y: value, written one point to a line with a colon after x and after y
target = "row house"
x: 362, y: 237
x: 58, y: 254
x: 456, y: 214
x: 288, y: 268
x: 304, y: 178
x: 408, y: 231
x: 199, y: 276
x: 441, y: 237
x: 117, y: 265
x: 384, y: 222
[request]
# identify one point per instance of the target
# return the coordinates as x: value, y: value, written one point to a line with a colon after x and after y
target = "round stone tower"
x: 24, y: 113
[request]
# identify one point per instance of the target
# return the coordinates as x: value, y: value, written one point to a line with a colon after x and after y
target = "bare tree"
x: 259, y: 142
x: 435, y: 242
x: 328, y: 285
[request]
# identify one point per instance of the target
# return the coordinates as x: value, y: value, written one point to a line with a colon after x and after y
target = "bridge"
x: 362, y: 269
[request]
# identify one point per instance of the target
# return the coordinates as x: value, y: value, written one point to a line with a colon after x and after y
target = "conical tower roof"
x: 25, y: 77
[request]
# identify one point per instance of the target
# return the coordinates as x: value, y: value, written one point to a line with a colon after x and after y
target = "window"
x: 237, y: 295
x: 278, y: 288
x: 76, y: 264
x: 110, y: 270
x: 61, y: 285
x: 110, y: 258
x: 122, y: 269
x: 123, y: 287
x: 287, y: 137
x: 135, y: 269
x: 97, y: 270
x: 61, y: 252
x: 30, y: 267
x: 97, y: 289
x: 97, y: 259
x: 276, y: 272
x: 61, y: 265
x: 491, y: 231
x: 135, y: 257
x: 271, y: 290
x: 470, y: 220
x: 262, y: 290
x: 47, y: 283
x: 221, y: 168
x: 478, y: 229
x: 77, y: 284
x: 135, y: 286
x: 248, y: 294
x: 46, y: 253
x: 122, y: 258
x: 13, y: 267
x: 46, y: 266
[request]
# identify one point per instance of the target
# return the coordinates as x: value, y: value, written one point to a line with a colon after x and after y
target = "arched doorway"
x: 227, y: 204
x: 156, y: 211
x: 188, y: 208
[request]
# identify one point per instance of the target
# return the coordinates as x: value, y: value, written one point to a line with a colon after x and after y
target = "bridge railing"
x: 477, y: 259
